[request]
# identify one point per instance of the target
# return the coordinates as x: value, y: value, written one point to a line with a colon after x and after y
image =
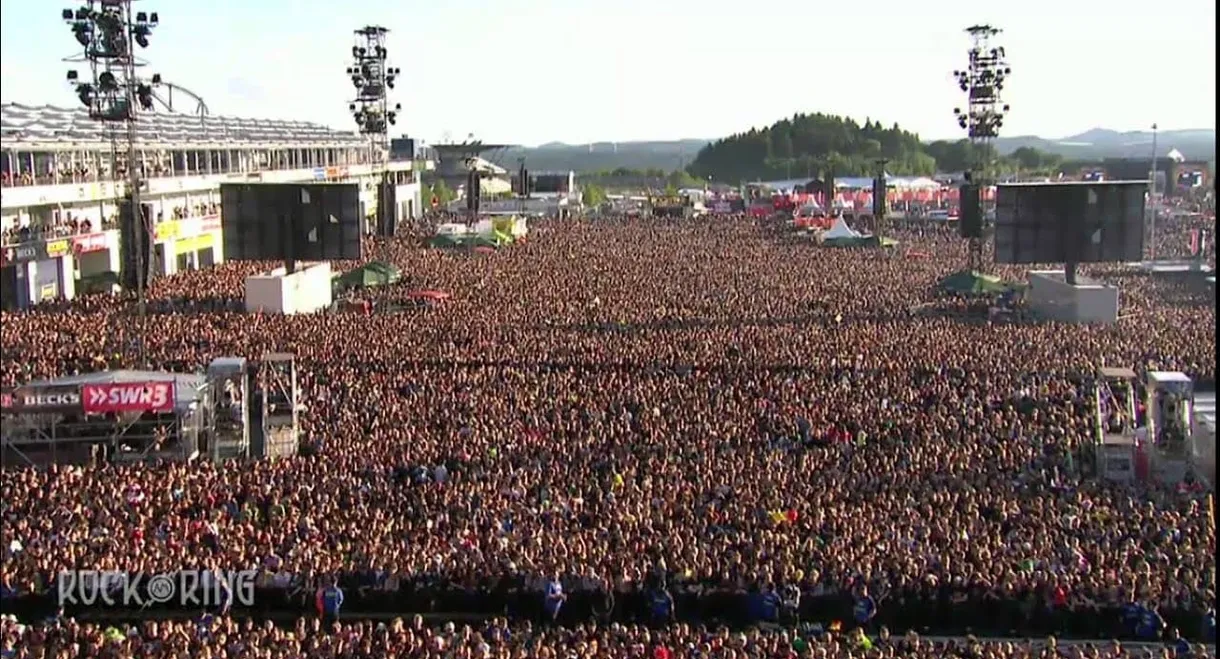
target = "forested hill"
x: 808, y: 144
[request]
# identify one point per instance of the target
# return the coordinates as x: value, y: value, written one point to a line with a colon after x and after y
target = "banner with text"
x: 157, y: 397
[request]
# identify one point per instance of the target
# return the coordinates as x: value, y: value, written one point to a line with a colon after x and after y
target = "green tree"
x: 593, y: 195
x: 441, y: 192
x: 806, y: 144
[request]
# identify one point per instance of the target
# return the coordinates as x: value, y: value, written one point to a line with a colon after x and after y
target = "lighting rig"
x: 373, y: 79
x: 109, y: 32
x: 983, y: 83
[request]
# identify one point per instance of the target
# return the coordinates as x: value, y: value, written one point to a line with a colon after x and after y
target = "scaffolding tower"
x: 278, y: 397
x: 229, y: 381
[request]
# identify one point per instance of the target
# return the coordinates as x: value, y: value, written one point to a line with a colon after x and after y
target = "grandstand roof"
x: 47, y: 124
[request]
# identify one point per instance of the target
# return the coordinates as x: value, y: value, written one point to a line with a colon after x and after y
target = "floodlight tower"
x: 983, y: 82
x: 373, y: 79
x: 109, y: 31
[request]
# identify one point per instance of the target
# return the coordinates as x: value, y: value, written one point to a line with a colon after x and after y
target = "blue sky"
x: 659, y: 69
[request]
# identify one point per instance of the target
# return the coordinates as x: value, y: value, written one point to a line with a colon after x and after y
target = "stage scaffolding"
x: 45, y: 422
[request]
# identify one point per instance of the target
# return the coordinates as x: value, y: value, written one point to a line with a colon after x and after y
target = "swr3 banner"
x: 116, y: 397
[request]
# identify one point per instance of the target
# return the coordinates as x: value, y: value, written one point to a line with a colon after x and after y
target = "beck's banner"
x: 118, y: 397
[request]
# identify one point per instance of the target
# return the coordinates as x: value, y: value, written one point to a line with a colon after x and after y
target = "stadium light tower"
x: 109, y: 32
x: 983, y: 83
x: 373, y: 79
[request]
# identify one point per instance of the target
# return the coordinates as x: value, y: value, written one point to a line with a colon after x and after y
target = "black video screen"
x: 1069, y: 223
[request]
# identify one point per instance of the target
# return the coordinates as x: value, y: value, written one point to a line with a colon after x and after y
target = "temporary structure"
x: 839, y: 230
x: 968, y: 282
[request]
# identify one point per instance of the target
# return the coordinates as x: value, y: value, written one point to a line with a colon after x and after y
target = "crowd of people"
x: 686, y: 420
x: 211, y: 637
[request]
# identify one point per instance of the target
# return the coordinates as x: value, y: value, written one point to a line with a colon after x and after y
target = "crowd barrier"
x: 944, y: 613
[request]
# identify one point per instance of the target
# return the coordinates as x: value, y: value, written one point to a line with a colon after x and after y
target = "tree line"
x: 808, y: 145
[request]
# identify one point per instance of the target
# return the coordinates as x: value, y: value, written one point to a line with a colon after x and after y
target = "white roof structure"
x: 29, y: 126
x: 840, y: 230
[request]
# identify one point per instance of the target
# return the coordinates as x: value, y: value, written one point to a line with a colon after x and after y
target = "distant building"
x: 1175, y: 176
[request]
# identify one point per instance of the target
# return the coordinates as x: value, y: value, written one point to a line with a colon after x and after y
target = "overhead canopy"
x: 445, y: 241
x: 969, y: 282
x: 375, y: 273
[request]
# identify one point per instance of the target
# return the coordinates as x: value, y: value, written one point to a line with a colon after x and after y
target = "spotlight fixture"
x: 108, y: 31
x: 372, y: 78
x: 982, y: 117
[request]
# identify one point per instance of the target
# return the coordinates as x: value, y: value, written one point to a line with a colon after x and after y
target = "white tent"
x: 840, y: 230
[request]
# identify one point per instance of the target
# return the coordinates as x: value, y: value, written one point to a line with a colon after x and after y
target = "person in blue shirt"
x: 1181, y: 647
x: 1209, y: 626
x: 660, y: 605
x: 1132, y: 613
x: 769, y: 603
x: 328, y: 602
x: 1150, y: 624
x: 553, y: 598
x: 864, y: 609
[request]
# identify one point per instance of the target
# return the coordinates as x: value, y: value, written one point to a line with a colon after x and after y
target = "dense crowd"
x: 222, y: 638
x: 695, y: 407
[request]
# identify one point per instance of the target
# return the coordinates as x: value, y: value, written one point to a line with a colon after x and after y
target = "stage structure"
x: 278, y: 407
x: 455, y: 161
x: 983, y: 83
x: 1070, y: 223
x: 109, y: 32
x: 1119, y: 454
x: 374, y: 78
x: 109, y: 416
x: 236, y: 410
x: 229, y: 380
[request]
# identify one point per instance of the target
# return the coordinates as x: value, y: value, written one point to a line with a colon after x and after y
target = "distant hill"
x: 1103, y: 143
x: 555, y: 156
x: 669, y: 155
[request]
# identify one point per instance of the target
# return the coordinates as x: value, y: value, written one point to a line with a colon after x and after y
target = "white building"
x: 59, y: 195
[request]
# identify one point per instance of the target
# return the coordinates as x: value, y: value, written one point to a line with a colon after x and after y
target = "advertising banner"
x: 59, y: 247
x: 34, y: 400
x: 25, y: 252
x: 119, y: 397
x: 47, y: 276
x: 94, y: 242
x: 167, y: 230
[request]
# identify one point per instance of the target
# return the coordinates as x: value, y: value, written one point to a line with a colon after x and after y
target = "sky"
x: 576, y: 71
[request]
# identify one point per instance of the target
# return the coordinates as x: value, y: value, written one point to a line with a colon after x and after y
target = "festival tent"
x: 493, y: 240
x: 446, y: 241
x: 375, y: 273
x: 969, y: 282
x: 839, y: 230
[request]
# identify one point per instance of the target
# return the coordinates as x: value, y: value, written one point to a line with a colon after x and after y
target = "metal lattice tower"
x: 373, y: 79
x: 109, y: 32
x: 983, y: 83
x: 277, y: 385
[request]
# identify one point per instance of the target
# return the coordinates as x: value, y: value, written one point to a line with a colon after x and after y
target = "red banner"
x: 128, y: 397
x: 93, y: 242
x: 209, y: 223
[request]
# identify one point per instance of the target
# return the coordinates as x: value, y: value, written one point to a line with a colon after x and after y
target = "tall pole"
x: 983, y: 83
x: 109, y: 32
x: 144, y: 229
x: 373, y: 79
x: 1153, y: 204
